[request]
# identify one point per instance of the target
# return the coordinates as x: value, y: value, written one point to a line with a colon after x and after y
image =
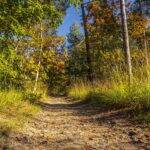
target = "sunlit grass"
x: 116, y: 96
x: 80, y: 90
x: 14, y: 110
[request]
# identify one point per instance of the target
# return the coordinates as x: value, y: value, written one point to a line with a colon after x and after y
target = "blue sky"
x: 72, y: 16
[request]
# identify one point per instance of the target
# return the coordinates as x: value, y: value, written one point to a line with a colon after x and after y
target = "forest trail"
x: 63, y: 125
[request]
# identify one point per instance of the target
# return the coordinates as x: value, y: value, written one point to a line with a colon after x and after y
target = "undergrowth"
x: 15, y: 110
x: 116, y: 96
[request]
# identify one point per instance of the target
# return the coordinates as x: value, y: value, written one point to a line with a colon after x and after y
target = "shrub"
x: 32, y: 97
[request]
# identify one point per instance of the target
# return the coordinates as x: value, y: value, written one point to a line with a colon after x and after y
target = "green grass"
x: 79, y: 91
x: 116, y: 96
x: 14, y: 111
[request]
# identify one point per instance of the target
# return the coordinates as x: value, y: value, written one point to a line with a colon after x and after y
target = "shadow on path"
x: 67, y: 125
x: 118, y: 120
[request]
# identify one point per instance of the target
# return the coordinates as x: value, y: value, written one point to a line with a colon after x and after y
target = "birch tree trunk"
x: 39, y: 63
x: 126, y: 39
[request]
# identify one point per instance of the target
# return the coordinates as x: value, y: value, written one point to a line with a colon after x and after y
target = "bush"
x: 32, y: 97
x: 11, y: 72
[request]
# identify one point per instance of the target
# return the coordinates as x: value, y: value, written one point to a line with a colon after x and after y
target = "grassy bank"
x: 116, y: 96
x: 15, y: 110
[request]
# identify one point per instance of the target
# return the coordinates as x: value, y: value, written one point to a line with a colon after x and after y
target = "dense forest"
x: 102, y: 62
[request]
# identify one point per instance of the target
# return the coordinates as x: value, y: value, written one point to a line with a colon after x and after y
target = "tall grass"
x: 80, y: 90
x: 14, y: 110
x: 115, y: 95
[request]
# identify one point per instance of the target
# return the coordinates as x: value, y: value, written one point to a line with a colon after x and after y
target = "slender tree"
x: 145, y: 41
x: 89, y: 62
x: 126, y: 39
x: 39, y: 62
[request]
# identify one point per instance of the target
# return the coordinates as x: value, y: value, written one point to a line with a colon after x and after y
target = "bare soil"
x: 65, y: 125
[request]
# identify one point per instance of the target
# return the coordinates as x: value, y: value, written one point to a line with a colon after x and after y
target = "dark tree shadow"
x: 101, y: 114
x: 116, y: 119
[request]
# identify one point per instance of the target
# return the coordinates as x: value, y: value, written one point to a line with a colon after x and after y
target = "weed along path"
x: 64, y: 125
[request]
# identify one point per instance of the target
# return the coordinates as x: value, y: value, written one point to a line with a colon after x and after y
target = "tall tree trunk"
x: 88, y: 54
x: 145, y: 43
x: 146, y: 56
x: 39, y: 63
x: 126, y: 39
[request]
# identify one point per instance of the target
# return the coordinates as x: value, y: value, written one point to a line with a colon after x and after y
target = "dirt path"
x: 66, y: 126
